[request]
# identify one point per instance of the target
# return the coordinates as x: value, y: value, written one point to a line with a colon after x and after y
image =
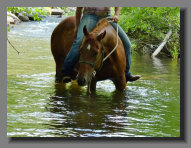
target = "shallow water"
x: 37, y: 107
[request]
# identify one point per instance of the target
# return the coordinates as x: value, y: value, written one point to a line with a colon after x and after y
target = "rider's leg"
x: 71, y: 59
x: 127, y: 46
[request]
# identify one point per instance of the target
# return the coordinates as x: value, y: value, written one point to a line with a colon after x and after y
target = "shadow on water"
x: 85, y: 115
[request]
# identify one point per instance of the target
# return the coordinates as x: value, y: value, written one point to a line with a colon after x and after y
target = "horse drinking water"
x: 96, y: 45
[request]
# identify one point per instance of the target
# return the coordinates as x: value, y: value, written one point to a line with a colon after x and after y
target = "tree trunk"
x: 162, y: 44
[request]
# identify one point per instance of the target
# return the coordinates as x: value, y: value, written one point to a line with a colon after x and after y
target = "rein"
x: 115, y: 45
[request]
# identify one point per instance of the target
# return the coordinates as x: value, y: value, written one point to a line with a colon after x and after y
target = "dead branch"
x: 162, y: 44
x: 13, y: 46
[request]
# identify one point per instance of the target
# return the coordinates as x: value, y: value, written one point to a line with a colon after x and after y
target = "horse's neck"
x: 102, y: 24
x: 110, y: 41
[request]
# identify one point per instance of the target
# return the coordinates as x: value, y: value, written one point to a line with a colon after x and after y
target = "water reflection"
x: 86, y: 115
x: 157, y: 63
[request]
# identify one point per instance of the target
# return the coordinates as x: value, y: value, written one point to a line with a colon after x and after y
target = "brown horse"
x: 95, y: 46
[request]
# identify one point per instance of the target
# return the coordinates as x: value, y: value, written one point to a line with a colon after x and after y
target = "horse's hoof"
x: 66, y: 79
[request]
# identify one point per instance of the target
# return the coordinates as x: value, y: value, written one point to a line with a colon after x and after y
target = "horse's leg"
x: 58, y: 73
x: 93, y: 85
x: 58, y: 77
x: 120, y: 83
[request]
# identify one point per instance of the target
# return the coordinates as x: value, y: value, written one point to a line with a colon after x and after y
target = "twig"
x: 13, y: 46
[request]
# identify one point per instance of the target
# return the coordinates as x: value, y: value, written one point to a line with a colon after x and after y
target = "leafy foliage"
x: 35, y: 11
x: 148, y: 26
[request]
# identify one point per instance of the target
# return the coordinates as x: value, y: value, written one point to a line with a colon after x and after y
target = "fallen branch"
x: 162, y: 44
x: 13, y: 46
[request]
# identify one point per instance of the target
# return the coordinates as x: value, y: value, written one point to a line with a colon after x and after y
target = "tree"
x: 148, y: 26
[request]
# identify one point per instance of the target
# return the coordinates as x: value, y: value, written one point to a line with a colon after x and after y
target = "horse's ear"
x: 85, y: 30
x: 101, y: 36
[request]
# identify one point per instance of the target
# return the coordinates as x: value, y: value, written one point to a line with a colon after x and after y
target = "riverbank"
x: 16, y: 16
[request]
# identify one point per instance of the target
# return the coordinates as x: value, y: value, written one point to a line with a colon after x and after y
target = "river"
x: 37, y: 107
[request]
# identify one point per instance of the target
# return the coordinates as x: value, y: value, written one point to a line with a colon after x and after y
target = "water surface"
x: 37, y: 107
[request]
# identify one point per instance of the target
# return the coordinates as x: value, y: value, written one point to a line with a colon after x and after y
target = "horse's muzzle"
x: 81, y: 81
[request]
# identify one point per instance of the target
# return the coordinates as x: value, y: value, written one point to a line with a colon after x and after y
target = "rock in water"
x: 16, y: 19
x: 56, y: 12
x: 23, y: 18
x: 30, y: 16
x: 10, y: 20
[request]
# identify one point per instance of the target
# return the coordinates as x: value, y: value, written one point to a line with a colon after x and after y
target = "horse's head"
x: 90, y: 55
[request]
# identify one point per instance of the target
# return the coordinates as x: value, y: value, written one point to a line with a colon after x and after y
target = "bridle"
x: 92, y: 64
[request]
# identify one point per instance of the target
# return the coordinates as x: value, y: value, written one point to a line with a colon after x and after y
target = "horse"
x: 96, y: 45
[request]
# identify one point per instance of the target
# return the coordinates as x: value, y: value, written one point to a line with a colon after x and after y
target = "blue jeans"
x: 127, y: 45
x: 90, y: 20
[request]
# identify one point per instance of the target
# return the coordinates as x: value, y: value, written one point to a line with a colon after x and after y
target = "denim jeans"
x: 127, y: 45
x: 90, y: 20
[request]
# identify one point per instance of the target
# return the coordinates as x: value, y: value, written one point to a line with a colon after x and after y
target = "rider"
x: 91, y: 16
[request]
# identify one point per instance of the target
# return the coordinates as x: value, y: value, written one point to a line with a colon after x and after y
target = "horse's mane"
x: 103, y: 23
